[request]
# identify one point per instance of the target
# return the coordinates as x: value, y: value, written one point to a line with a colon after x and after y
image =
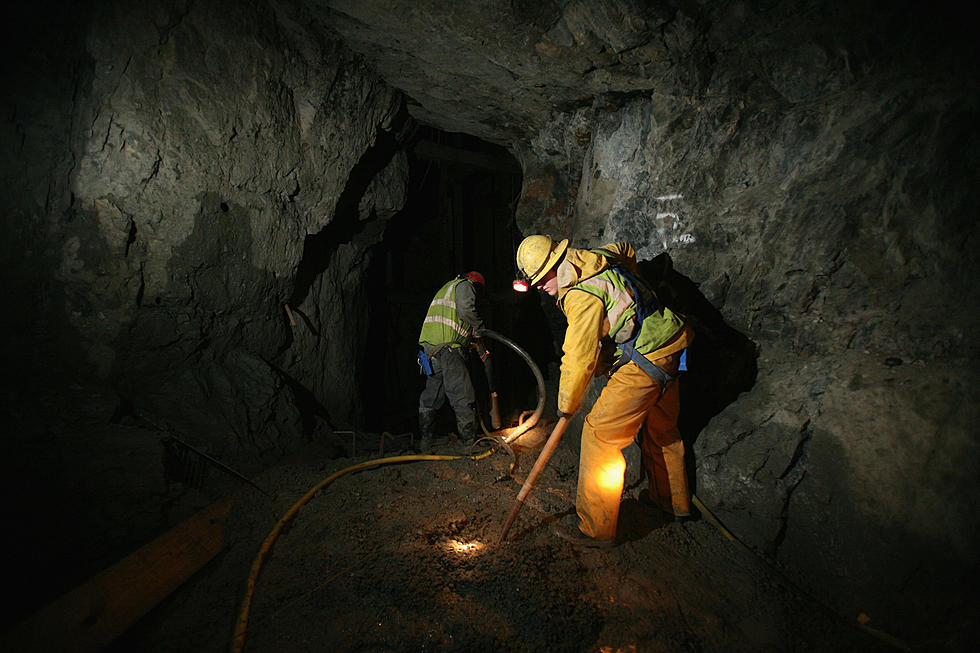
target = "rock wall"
x: 809, y: 204
x: 797, y: 177
x: 179, y: 161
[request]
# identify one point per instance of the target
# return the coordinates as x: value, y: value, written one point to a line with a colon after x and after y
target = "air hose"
x: 862, y: 618
x: 241, y: 625
x: 510, y: 434
x: 506, y: 436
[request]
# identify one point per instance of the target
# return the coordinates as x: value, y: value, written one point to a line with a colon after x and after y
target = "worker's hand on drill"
x: 481, y: 350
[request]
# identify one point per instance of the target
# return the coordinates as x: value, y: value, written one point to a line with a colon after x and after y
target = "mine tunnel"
x: 458, y: 217
x: 225, y: 224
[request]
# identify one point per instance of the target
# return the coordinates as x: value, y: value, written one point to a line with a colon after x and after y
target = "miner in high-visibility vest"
x: 450, y: 326
x: 613, y: 315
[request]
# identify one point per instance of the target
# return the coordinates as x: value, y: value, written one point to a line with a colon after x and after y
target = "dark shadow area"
x: 458, y: 216
x: 518, y: 316
x: 310, y: 409
x: 722, y: 363
x: 318, y: 249
x: 637, y: 520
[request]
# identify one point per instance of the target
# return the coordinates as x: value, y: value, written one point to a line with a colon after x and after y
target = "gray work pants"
x: 449, y: 379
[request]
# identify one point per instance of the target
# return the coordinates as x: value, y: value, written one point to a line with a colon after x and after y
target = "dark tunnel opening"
x: 458, y: 216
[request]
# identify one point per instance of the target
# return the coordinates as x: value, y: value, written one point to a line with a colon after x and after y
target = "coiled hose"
x: 506, y: 436
x: 511, y: 434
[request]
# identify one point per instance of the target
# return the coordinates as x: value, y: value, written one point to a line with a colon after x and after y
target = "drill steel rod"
x: 532, y: 477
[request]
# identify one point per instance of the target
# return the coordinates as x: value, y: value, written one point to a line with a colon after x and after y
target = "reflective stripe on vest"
x: 620, y: 307
x: 442, y: 322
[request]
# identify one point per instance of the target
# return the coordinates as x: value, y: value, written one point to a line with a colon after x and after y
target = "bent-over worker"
x: 608, y: 306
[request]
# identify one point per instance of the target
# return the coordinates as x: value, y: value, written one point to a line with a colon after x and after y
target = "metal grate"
x: 181, y: 464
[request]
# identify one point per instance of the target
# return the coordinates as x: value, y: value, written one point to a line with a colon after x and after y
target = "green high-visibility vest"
x: 659, y: 327
x: 442, y: 323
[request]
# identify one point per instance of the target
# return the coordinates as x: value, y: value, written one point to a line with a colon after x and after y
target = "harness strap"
x: 646, y: 305
x: 653, y: 370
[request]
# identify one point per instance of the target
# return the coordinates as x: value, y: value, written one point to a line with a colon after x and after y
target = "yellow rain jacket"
x: 588, y: 322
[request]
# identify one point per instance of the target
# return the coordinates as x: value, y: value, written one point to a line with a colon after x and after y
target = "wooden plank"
x: 92, y: 615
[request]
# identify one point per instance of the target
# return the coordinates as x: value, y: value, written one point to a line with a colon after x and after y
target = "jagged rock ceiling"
x: 498, y: 72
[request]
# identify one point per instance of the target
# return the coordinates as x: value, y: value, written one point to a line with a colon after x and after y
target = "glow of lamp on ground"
x: 464, y: 548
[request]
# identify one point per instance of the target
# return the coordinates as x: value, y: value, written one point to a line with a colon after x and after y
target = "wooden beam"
x: 92, y: 615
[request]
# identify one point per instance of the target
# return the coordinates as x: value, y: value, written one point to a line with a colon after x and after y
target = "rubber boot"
x: 426, y: 420
x: 467, y: 440
x: 467, y: 431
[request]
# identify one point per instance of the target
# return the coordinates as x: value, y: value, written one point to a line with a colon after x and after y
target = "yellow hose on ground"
x: 862, y: 619
x: 238, y: 643
x: 714, y: 520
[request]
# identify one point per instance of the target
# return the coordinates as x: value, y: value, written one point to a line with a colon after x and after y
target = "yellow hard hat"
x: 538, y: 254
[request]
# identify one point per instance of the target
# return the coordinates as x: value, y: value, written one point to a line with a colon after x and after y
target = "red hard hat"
x: 477, y: 277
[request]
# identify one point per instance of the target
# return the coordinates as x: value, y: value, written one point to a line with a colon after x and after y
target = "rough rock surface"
x: 208, y: 149
x: 406, y: 557
x: 809, y: 172
x: 797, y: 176
x: 852, y: 346
x: 825, y: 218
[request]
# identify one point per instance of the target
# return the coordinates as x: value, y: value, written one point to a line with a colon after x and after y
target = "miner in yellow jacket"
x: 609, y: 307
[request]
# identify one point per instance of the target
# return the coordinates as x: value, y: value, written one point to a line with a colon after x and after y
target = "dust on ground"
x: 405, y: 557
